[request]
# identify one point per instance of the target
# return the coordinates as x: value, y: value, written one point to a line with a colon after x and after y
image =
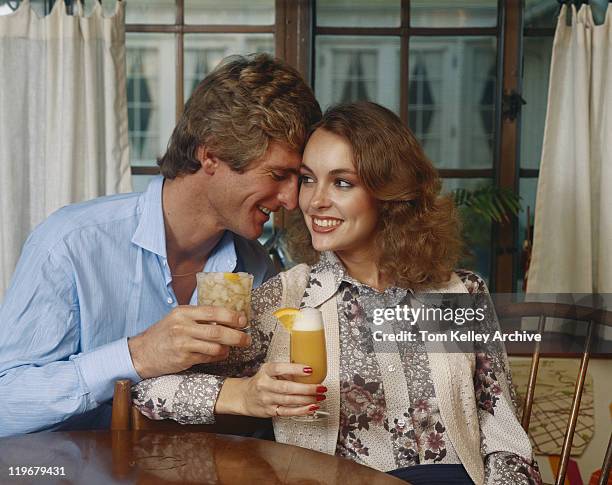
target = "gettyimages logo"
x: 412, y: 315
x: 466, y: 323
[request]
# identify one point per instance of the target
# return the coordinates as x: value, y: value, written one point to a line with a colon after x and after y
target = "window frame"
x: 294, y: 33
x: 180, y: 28
x: 502, y: 171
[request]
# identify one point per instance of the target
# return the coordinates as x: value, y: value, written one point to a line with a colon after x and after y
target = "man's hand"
x: 185, y: 337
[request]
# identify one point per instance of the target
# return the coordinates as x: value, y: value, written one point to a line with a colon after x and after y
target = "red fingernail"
x: 321, y: 397
x: 321, y: 389
x: 313, y: 408
x: 307, y: 370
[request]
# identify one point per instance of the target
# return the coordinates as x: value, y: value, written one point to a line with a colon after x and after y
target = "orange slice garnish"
x: 286, y: 316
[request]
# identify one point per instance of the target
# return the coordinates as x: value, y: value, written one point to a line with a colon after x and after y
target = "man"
x: 106, y: 289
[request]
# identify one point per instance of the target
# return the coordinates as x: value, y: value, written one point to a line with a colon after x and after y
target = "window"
x: 143, y: 109
x: 443, y: 67
x: 440, y: 66
x: 350, y: 81
x: 171, y: 46
x: 198, y: 63
x: 350, y: 68
x: 424, y: 96
x: 537, y: 52
x: 435, y: 65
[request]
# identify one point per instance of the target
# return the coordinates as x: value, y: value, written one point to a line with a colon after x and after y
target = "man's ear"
x: 209, y: 163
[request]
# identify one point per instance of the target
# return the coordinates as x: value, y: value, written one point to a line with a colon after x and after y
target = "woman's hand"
x: 269, y: 393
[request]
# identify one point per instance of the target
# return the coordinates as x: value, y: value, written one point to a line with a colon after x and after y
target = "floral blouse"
x: 420, y: 438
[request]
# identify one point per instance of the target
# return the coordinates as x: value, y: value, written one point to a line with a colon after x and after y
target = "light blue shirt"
x: 90, y: 276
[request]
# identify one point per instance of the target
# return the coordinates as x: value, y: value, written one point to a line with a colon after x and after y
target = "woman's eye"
x: 305, y: 179
x: 343, y: 183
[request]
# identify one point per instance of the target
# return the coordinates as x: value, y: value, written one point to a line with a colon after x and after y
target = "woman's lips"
x: 325, y: 224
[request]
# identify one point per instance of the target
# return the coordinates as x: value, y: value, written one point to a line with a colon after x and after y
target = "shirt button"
x: 391, y: 368
x: 169, y: 300
x: 401, y: 423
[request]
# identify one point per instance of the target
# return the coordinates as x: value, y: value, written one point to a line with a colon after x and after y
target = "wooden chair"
x: 587, y: 316
x: 125, y: 416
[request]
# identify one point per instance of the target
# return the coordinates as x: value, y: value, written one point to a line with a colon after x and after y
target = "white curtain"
x: 572, y: 248
x: 63, y: 117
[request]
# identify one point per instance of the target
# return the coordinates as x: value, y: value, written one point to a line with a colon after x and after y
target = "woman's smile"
x: 323, y: 224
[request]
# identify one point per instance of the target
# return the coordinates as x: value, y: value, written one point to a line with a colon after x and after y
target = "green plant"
x: 478, y: 208
x: 488, y: 202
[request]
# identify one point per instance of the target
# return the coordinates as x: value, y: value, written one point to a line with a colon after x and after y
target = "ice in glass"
x: 228, y: 290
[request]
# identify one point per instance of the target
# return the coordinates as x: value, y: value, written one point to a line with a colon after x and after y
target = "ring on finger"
x: 276, y: 410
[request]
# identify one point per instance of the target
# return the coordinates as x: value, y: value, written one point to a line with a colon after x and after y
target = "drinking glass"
x: 308, y: 348
x: 227, y: 290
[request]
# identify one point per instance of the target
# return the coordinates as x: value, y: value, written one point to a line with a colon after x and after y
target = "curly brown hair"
x: 418, y: 230
x: 235, y: 111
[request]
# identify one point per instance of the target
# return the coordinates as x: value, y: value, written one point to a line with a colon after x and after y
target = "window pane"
x: 599, y: 9
x: 528, y: 189
x: 268, y: 230
x: 41, y: 7
x: 541, y: 13
x: 108, y: 6
x: 151, y: 102
x: 451, y: 13
x: 452, y: 85
x: 150, y: 11
x: 476, y: 230
x: 229, y: 12
x: 140, y: 182
x: 537, y: 52
x: 357, y: 68
x: 7, y: 7
x: 204, y: 51
x: 544, y: 13
x: 358, y: 13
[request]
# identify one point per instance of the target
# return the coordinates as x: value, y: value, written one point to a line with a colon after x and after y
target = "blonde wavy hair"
x: 418, y: 230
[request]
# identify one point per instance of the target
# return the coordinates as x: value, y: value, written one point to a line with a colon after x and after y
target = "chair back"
x: 589, y: 317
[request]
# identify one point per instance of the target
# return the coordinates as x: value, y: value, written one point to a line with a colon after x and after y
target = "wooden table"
x: 144, y: 457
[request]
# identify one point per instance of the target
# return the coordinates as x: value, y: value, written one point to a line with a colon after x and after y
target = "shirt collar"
x: 151, y: 234
x: 325, y: 279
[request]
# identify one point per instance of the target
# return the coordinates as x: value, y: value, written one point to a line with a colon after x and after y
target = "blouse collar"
x: 326, y: 277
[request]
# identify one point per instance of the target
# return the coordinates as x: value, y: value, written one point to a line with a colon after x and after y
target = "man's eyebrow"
x: 284, y: 169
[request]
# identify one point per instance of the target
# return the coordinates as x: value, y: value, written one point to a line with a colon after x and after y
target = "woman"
x: 370, y: 201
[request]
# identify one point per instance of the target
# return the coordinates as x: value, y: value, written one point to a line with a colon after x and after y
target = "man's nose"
x: 288, y: 195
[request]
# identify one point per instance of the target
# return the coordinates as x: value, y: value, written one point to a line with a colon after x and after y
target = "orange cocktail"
x: 307, y: 341
x: 307, y: 347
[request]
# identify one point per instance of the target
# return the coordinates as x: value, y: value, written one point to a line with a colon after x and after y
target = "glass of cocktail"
x: 227, y: 290
x: 307, y: 348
